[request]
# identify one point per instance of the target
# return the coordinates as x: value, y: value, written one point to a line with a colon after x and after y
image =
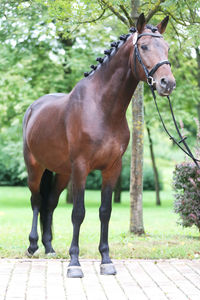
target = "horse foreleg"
x: 58, y: 186
x: 78, y: 214
x: 109, y: 179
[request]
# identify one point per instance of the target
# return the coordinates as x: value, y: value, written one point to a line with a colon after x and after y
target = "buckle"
x: 150, y: 81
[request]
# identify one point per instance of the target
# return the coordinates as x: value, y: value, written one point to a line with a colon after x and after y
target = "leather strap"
x: 150, y: 73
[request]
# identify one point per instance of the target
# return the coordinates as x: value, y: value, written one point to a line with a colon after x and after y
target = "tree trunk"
x: 155, y: 171
x: 117, y: 191
x: 198, y: 79
x: 136, y: 186
x: 69, y: 198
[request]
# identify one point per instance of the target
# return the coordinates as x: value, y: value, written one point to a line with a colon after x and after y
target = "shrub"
x: 94, y: 179
x: 149, y: 179
x: 186, y: 184
x: 12, y: 168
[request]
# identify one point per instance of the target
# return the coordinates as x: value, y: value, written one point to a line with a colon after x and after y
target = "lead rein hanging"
x: 150, y: 82
x: 188, y: 152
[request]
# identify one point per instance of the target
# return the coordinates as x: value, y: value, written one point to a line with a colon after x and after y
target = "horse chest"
x: 109, y: 150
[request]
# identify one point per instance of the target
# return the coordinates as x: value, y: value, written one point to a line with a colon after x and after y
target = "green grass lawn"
x: 163, y: 238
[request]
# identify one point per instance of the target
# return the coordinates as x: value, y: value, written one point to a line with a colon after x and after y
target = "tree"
x: 136, y: 188
x: 155, y: 170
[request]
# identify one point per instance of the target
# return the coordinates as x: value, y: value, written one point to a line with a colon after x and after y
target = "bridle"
x: 150, y: 81
x: 149, y: 74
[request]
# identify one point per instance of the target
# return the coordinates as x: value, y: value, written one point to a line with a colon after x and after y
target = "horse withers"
x: 69, y: 135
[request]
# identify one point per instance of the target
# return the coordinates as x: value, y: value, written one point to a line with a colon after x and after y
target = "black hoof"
x: 32, y: 254
x: 74, y: 272
x: 107, y: 269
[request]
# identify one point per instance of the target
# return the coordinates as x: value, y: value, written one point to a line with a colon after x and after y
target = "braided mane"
x: 114, y: 48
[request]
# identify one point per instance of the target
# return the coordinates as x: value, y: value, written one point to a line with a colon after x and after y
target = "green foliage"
x: 12, y: 168
x: 94, y: 179
x: 149, y: 179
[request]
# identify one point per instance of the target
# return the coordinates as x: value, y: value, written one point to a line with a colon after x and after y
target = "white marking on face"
x: 135, y: 36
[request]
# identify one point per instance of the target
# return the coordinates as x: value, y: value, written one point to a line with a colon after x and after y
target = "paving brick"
x: 91, y: 283
x: 45, y: 279
x: 184, y: 285
x: 110, y: 285
x: 128, y: 283
x: 162, y: 281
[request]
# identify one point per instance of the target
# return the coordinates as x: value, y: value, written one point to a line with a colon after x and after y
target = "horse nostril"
x: 163, y: 82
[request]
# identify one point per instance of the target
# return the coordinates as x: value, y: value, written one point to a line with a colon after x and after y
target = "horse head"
x: 149, y: 58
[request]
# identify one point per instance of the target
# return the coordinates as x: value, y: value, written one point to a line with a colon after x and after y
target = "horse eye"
x: 144, y: 47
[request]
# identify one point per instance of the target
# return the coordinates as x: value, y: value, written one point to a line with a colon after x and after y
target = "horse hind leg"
x: 50, y: 191
x: 34, y: 177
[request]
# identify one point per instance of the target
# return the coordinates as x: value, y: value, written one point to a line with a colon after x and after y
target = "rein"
x: 150, y: 81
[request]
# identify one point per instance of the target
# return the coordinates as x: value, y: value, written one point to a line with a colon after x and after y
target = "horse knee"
x: 74, y: 250
x: 104, y: 248
x: 78, y: 215
x: 33, y: 237
x: 46, y: 237
x: 104, y: 213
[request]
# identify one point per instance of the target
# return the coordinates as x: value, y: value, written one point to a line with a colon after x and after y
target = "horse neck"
x: 115, y: 83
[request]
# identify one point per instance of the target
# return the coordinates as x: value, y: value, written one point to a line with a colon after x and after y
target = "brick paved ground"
x: 136, y: 279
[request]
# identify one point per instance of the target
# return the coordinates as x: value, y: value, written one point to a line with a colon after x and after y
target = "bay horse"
x: 69, y: 135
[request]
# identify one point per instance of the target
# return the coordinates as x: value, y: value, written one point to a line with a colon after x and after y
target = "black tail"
x: 45, y: 188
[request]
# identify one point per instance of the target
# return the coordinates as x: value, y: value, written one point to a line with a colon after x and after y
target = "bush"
x: 12, y: 168
x: 149, y: 180
x: 94, y: 179
x: 186, y: 184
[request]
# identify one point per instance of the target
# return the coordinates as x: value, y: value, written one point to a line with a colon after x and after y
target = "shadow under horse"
x: 72, y: 134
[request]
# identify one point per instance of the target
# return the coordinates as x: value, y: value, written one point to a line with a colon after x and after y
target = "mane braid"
x: 114, y: 48
x: 111, y: 52
x: 152, y: 28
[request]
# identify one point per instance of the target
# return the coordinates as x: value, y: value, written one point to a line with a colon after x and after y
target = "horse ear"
x: 162, y: 26
x: 141, y: 22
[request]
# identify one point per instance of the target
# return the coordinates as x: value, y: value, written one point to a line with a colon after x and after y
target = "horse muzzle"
x: 165, y: 86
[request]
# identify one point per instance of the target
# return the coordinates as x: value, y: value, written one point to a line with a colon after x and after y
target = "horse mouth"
x: 164, y: 94
x: 166, y: 91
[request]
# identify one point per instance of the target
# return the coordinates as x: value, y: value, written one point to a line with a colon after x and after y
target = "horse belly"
x: 47, y: 142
